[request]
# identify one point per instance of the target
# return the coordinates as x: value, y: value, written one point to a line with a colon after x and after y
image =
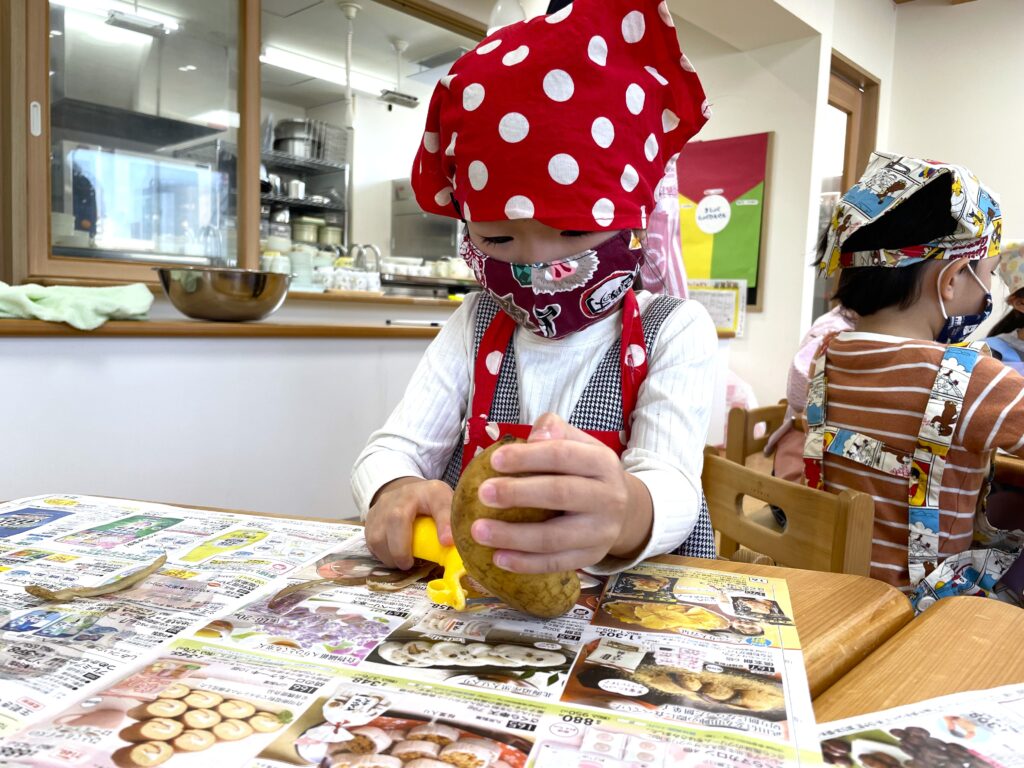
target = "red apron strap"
x: 633, y: 359
x: 481, y: 433
x: 489, y: 356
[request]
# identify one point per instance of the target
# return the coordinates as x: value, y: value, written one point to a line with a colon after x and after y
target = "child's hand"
x: 396, y: 505
x: 606, y: 510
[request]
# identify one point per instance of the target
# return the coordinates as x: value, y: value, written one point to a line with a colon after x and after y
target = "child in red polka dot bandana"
x: 548, y: 140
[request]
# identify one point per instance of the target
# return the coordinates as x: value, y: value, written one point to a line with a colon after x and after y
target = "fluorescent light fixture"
x: 223, y: 118
x: 55, y: 33
x: 188, y: 68
x: 126, y: 11
x: 321, y: 70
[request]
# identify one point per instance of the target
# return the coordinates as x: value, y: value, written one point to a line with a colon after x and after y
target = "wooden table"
x: 840, y: 618
x: 960, y: 643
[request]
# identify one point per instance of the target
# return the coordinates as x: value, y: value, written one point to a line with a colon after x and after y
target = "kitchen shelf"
x: 300, y: 202
x: 274, y: 159
x: 209, y: 152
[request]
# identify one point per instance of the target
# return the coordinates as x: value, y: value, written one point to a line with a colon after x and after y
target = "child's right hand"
x: 396, y: 505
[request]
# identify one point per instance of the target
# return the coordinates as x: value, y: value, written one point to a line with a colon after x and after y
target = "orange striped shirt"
x: 879, y: 385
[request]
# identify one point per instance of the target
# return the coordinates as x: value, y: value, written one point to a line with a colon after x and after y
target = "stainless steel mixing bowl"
x: 220, y: 293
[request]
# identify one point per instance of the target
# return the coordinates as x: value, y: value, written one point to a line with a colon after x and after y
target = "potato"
x: 544, y: 594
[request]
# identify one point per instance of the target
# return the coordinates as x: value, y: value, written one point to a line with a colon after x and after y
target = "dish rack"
x: 322, y: 141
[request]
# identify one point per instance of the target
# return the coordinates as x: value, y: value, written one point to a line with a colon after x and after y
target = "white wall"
x: 774, y: 88
x: 260, y: 424
x: 864, y: 31
x: 385, y: 143
x: 959, y: 96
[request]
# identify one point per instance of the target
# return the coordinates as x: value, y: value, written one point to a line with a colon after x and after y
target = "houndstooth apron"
x: 603, y: 410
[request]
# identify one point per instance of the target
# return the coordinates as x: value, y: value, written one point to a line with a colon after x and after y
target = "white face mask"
x: 959, y: 327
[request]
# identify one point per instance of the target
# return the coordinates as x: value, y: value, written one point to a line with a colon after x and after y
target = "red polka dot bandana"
x: 568, y: 118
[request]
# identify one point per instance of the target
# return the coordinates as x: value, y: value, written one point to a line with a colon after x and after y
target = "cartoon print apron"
x: 974, y: 572
x: 603, y: 411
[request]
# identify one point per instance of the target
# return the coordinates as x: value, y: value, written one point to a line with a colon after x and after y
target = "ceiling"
x: 318, y: 29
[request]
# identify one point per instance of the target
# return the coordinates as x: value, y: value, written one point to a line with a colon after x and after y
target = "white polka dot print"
x: 518, y: 56
x: 473, y: 96
x: 444, y: 197
x: 597, y: 50
x: 561, y: 15
x: 635, y: 356
x: 635, y: 97
x: 651, y: 147
x: 665, y: 13
x: 465, y: 212
x: 669, y: 120
x: 450, y: 151
x: 604, y: 212
x: 656, y: 75
x: 483, y: 50
x: 633, y: 27
x: 493, y: 362
x: 630, y: 178
x: 603, y: 132
x: 558, y: 85
x: 477, y: 175
x: 564, y: 169
x: 685, y: 64
x: 513, y: 127
x: 446, y: 81
x: 431, y: 142
x: 705, y: 109
x: 519, y: 207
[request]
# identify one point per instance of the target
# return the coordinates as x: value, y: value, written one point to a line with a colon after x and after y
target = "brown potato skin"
x: 544, y: 595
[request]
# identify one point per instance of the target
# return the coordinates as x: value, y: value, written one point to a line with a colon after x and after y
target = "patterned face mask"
x: 959, y: 327
x: 557, y: 298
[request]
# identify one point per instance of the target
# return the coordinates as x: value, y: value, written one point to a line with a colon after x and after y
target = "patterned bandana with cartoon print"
x: 557, y: 298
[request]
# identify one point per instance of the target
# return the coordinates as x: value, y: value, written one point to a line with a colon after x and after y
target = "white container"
x: 302, y: 268
x: 281, y: 264
x: 279, y: 244
x: 297, y: 188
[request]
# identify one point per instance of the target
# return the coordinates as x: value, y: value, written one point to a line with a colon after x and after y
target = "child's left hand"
x: 606, y: 511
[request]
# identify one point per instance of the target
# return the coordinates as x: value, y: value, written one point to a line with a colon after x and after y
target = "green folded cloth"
x: 83, y: 308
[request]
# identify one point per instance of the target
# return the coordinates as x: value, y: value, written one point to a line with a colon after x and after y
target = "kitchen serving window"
x: 142, y: 110
x: 153, y: 132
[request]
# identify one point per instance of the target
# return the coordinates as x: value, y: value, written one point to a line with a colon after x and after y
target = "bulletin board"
x: 722, y: 203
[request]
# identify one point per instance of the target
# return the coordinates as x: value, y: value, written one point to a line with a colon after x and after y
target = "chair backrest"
x: 740, y: 441
x: 824, y: 531
x: 1009, y: 470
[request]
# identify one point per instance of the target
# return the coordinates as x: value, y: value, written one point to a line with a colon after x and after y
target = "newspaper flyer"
x: 979, y: 729
x: 206, y: 663
x: 197, y: 703
x: 53, y: 652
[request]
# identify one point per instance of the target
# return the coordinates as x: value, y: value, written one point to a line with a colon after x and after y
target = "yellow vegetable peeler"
x: 425, y: 545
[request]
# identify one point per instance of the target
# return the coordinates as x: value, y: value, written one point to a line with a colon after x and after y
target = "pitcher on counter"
x: 548, y: 140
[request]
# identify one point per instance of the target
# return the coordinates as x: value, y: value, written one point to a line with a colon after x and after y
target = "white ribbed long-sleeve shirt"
x: 670, y: 421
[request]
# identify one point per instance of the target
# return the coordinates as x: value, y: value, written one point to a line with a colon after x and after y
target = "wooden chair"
x: 1009, y: 470
x: 743, y: 447
x: 740, y: 442
x: 824, y: 531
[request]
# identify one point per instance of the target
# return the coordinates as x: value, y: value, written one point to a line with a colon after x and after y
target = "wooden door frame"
x: 855, y: 92
x: 25, y: 249
x: 31, y: 258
